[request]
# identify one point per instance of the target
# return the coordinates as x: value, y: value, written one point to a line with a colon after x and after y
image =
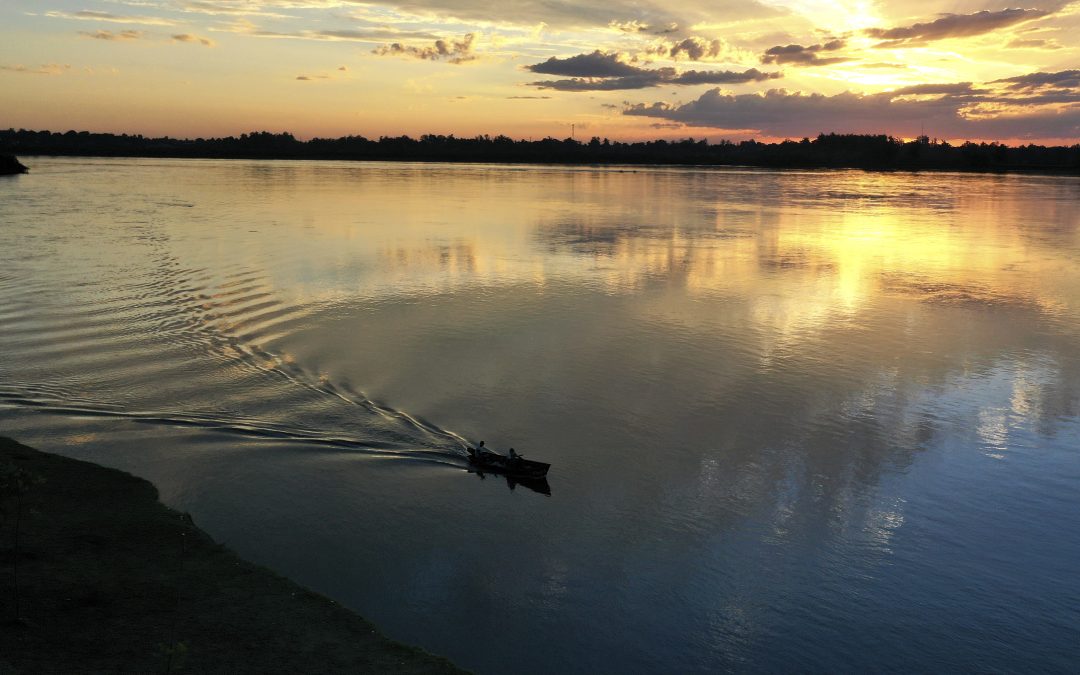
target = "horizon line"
x: 572, y: 139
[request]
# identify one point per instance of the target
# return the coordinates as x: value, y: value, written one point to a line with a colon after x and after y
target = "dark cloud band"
x: 600, y: 71
x: 451, y: 51
x: 1037, y: 105
x: 805, y: 56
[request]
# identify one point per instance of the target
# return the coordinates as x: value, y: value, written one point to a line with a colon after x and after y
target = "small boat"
x: 9, y: 166
x: 518, y: 467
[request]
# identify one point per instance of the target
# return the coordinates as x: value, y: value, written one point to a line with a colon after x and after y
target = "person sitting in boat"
x: 478, y: 451
x: 514, y: 457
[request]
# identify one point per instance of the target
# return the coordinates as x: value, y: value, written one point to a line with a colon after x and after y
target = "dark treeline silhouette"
x: 827, y: 150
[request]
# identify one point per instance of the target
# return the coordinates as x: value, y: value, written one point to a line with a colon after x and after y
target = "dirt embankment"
x: 107, y: 579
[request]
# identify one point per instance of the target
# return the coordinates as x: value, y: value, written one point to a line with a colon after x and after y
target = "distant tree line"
x: 827, y: 150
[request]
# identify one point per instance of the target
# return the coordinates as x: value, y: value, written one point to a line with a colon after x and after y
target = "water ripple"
x: 173, y: 335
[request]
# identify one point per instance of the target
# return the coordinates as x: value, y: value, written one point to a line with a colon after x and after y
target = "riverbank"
x: 111, y: 580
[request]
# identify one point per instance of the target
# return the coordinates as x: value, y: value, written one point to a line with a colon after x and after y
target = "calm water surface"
x: 797, y: 421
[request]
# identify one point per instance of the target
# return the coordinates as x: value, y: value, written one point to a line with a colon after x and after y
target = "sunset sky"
x: 625, y: 69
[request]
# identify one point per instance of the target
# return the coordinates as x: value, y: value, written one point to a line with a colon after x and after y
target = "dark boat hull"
x: 518, y: 468
x: 9, y: 166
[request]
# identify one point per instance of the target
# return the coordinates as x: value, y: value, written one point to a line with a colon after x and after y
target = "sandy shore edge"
x: 111, y: 580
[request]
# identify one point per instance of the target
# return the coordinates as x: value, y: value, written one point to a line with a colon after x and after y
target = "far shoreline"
x: 827, y: 151
x: 1019, y: 171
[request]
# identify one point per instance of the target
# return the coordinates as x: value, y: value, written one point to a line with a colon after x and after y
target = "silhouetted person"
x: 478, y: 451
x: 514, y: 457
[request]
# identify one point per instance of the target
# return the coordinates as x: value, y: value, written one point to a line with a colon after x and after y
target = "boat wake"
x: 175, y: 348
x: 251, y: 428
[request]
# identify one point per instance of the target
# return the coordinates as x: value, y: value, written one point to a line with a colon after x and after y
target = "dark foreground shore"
x: 110, y: 580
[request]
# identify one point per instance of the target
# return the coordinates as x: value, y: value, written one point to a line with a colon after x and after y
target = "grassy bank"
x: 107, y: 579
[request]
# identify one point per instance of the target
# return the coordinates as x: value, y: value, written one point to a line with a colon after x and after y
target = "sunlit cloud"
x: 1034, y: 43
x: 696, y: 48
x: 636, y: 26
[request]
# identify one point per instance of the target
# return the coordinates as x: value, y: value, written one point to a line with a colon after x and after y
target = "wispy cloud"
x: 193, y: 39
x: 653, y: 15
x: 345, y: 35
x: 232, y: 8
x: 92, y: 15
x: 1034, y: 43
x: 110, y: 36
x: 339, y: 73
x: 44, y: 69
x: 132, y: 35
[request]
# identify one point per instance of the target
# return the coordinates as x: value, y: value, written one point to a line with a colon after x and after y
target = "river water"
x: 797, y: 420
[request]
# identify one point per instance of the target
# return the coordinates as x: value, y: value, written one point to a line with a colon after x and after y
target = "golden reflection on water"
x: 835, y: 256
x: 809, y: 247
